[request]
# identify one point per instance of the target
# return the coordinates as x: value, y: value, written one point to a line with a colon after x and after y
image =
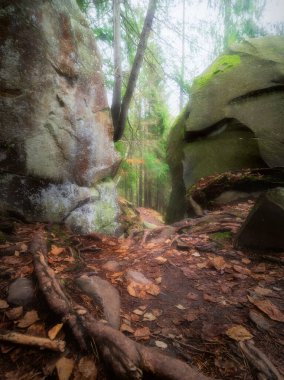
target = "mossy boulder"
x: 234, y: 119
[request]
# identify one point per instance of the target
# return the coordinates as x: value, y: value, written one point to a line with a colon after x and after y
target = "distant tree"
x: 240, y: 19
x: 119, y: 113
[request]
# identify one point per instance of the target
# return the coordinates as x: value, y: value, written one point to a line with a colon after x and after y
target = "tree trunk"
x: 182, y: 59
x: 120, y: 126
x: 116, y: 97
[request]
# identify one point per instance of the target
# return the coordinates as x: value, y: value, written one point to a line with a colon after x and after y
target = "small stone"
x: 160, y: 344
x: 133, y: 275
x: 21, y: 292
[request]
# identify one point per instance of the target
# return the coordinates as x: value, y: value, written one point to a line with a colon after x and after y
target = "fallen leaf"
x: 160, y: 344
x: 52, y: 333
x: 158, y: 280
x: 239, y: 333
x: 116, y: 274
x: 262, y: 291
x: 210, y: 298
x: 180, y: 307
x: 23, y: 248
x: 142, y: 307
x: 192, y: 296
x: 29, y: 318
x: 242, y: 270
x: 152, y: 289
x: 37, y: 329
x: 125, y: 327
x: 64, y: 368
x: 138, y: 312
x: 268, y: 308
x: 157, y: 312
x: 87, y: 369
x: 192, y: 315
x: 149, y: 317
x: 14, y: 313
x: 218, y: 262
x: 161, y: 259
x: 246, y: 261
x: 142, y: 334
x: 196, y: 254
x: 56, y: 250
x: 259, y: 268
x: 201, y: 265
x: 3, y: 304
x: 261, y: 322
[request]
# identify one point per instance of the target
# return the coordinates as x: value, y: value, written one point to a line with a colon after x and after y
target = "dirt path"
x: 202, y: 296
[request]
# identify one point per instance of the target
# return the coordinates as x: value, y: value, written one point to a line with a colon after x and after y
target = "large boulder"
x: 55, y: 127
x: 263, y: 228
x: 235, y: 116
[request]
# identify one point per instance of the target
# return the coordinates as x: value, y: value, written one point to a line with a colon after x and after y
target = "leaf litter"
x: 223, y: 296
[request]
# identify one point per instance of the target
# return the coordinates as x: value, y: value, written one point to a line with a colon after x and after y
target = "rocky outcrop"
x: 263, y: 228
x: 235, y: 116
x: 55, y: 127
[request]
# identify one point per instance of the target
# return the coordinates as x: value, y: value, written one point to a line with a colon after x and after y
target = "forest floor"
x: 202, y: 298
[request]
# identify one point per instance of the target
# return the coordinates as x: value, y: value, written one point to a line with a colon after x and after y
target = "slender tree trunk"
x: 227, y: 23
x: 116, y: 97
x: 120, y: 126
x: 182, y: 58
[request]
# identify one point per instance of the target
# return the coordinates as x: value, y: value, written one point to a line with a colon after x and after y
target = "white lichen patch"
x: 101, y: 215
x: 57, y: 201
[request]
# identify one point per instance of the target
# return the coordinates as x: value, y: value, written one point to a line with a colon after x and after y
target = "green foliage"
x: 103, y: 34
x: 84, y: 5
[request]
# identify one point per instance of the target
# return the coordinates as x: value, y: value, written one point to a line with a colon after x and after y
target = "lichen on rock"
x: 56, y: 130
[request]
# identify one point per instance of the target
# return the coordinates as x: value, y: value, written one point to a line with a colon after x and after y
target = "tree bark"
x: 120, y: 126
x: 182, y: 58
x: 116, y: 97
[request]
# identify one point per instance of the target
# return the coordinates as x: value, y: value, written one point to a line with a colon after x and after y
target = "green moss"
x: 220, y: 65
x: 220, y: 236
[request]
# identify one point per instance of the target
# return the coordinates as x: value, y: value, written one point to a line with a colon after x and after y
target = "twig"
x: 29, y: 340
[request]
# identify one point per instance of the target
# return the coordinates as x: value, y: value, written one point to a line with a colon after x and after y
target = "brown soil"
x: 206, y: 287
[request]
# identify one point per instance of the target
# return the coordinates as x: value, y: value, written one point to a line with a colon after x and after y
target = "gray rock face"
x: 234, y: 119
x: 263, y: 228
x: 245, y: 86
x: 105, y: 294
x: 21, y: 292
x: 55, y: 126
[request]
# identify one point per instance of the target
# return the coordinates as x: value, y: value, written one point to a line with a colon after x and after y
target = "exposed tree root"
x: 124, y: 357
x: 29, y: 340
x: 260, y: 362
